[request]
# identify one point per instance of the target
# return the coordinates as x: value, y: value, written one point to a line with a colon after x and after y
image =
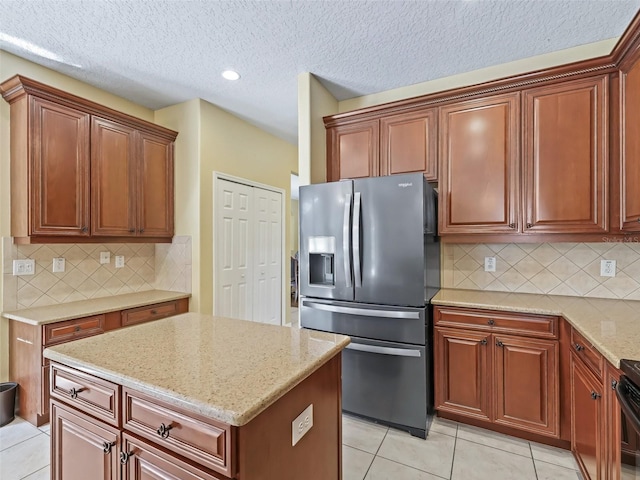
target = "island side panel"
x: 264, y: 444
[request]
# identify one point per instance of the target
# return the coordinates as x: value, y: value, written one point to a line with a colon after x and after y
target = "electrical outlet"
x: 301, y: 425
x: 58, y: 265
x: 119, y: 261
x: 105, y: 257
x: 24, y: 267
x: 607, y: 268
x: 489, y: 264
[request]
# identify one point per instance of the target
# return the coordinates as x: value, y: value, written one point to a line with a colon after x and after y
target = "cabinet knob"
x: 512, y: 225
x: 595, y: 395
x: 529, y: 225
x: 154, y: 312
x: 125, y: 456
x: 141, y: 230
x: 491, y: 321
x: 106, y: 447
x: 163, y: 430
x: 614, y: 384
x: 638, y: 219
x: 483, y: 341
x: 85, y: 229
x: 578, y: 347
x: 73, y: 392
x: 76, y: 328
x: 499, y: 343
x: 132, y: 230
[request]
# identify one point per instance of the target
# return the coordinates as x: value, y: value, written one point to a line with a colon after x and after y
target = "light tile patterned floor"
x: 370, y: 452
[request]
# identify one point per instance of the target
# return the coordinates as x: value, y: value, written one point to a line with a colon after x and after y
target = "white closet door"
x: 234, y: 253
x: 267, y: 296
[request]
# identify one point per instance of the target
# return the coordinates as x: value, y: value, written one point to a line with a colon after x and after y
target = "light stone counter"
x: 612, y: 326
x: 228, y: 370
x: 94, y: 306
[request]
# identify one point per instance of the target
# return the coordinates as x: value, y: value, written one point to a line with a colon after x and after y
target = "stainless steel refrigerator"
x: 369, y: 264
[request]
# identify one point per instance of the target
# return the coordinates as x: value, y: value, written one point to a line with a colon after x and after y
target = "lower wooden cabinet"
x: 500, y: 378
x: 93, y: 445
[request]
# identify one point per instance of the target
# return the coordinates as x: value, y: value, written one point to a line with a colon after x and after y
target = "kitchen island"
x: 195, y: 396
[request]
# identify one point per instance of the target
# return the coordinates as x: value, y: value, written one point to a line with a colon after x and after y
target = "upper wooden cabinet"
x: 626, y: 200
x: 409, y: 144
x: 565, y: 174
x: 81, y: 172
x: 385, y: 145
x: 479, y: 165
x: 352, y: 151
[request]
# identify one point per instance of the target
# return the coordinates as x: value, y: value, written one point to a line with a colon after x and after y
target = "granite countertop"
x: 612, y: 326
x: 94, y: 306
x: 228, y: 370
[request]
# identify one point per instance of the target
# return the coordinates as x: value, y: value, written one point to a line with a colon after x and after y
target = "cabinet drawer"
x: 587, y: 353
x: 204, y: 441
x: 88, y: 394
x: 61, y: 332
x: 498, y: 322
x: 148, y: 313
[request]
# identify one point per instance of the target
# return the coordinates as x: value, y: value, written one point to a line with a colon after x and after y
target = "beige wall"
x: 11, y: 65
x: 232, y: 146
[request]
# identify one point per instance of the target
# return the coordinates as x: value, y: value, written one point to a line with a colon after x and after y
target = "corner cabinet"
x: 81, y: 172
x: 479, y: 166
x: 383, y: 145
x: 565, y: 173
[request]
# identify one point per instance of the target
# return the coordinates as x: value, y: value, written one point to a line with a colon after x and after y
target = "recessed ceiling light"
x: 230, y: 75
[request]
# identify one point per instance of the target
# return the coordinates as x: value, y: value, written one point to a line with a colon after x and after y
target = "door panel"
x: 60, y: 174
x: 526, y: 388
x: 325, y: 231
x: 391, y: 230
x: 233, y: 250
x: 353, y: 151
x: 462, y: 364
x: 113, y: 178
x: 155, y: 210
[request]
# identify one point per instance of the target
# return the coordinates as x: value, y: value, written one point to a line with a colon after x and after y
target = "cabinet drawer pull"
x: 499, y: 343
x: 77, y: 328
x: 73, y: 393
x: 154, y: 312
x: 124, y: 457
x: 578, y: 347
x: 106, y: 447
x: 163, y: 430
x: 483, y: 341
x: 595, y: 395
x: 491, y: 321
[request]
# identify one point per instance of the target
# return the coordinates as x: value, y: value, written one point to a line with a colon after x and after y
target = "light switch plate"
x: 301, y: 425
x: 24, y: 267
x: 58, y: 265
x: 119, y: 261
x: 607, y: 268
x: 489, y: 264
x: 105, y: 257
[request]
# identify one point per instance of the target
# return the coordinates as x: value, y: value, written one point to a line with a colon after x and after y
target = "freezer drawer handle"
x: 357, y: 270
x: 362, y: 311
x: 398, y: 352
x: 346, y: 239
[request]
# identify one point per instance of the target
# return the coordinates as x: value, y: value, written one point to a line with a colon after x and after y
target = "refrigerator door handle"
x: 397, y: 352
x: 346, y: 251
x: 365, y: 312
x: 357, y: 270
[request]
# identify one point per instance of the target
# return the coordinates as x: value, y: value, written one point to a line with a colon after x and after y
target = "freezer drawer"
x: 386, y: 381
x: 381, y: 322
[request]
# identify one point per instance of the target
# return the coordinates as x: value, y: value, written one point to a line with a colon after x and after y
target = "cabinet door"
x: 613, y: 434
x: 462, y: 372
x: 479, y: 166
x: 526, y: 384
x: 113, y: 176
x: 587, y: 426
x: 91, y: 445
x: 408, y: 144
x: 629, y: 182
x: 145, y: 462
x: 155, y: 187
x: 352, y: 151
x: 60, y: 169
x: 565, y: 157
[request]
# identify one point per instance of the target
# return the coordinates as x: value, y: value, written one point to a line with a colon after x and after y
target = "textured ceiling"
x: 158, y: 53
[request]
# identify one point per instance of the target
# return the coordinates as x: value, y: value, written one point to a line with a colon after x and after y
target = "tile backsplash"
x: 552, y: 268
x: 84, y: 277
